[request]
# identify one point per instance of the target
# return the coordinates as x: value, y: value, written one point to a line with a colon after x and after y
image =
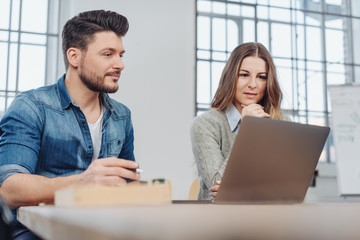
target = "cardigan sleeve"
x: 206, y: 146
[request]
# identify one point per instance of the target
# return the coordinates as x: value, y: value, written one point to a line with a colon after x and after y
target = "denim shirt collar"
x: 66, y: 99
x: 233, y: 117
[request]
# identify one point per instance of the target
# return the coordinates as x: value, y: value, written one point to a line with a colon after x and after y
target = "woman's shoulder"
x: 211, y: 117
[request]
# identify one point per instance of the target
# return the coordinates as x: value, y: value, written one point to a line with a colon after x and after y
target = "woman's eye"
x: 243, y: 75
x: 263, y: 77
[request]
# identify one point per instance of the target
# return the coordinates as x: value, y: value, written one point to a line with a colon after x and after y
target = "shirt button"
x: 83, y: 122
x: 90, y: 147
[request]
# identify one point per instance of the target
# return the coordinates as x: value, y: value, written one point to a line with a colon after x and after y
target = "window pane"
x: 313, y: 19
x: 220, y: 56
x: 203, y: 6
x: 335, y: 74
x: 299, y: 17
x: 262, y: 12
x: 219, y: 8
x: 15, y: 15
x: 233, y: 9
x: 263, y: 33
x: 281, y: 40
x: 313, y: 43
x: 247, y: 11
x: 335, y: 78
x: 356, y: 40
x: 14, y: 37
x: 315, y: 89
x: 2, y: 105
x: 203, y: 83
x: 4, y: 35
x: 355, y: 6
x: 280, y: 14
x: 53, y: 26
x: 31, y: 67
x: 334, y: 22
x: 3, y: 64
x: 203, y: 32
x: 13, y: 66
x: 302, y: 93
x: 310, y: 5
x: 51, y: 66
x: 203, y: 54
x: 233, y: 35
x: 280, y: 3
x: 5, y: 14
x: 335, y: 6
x: 247, y: 1
x: 300, y: 39
x: 218, y: 34
x: 33, y: 38
x: 34, y: 15
x: 357, y: 75
x: 334, y: 45
x: 249, y: 31
x: 286, y: 86
x: 216, y: 70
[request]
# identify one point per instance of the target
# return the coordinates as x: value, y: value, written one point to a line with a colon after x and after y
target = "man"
x: 71, y: 132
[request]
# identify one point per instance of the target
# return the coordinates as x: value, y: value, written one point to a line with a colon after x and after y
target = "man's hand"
x: 255, y: 110
x: 110, y: 171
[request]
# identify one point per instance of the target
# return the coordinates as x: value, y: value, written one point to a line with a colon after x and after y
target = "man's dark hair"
x: 79, y: 31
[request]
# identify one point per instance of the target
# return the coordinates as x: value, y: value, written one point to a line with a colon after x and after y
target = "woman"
x: 248, y: 87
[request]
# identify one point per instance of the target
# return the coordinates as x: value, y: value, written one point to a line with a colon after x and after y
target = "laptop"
x: 272, y: 161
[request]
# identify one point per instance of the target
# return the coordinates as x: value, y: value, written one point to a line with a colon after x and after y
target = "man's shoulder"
x: 119, y: 108
x: 46, y: 95
x: 40, y: 95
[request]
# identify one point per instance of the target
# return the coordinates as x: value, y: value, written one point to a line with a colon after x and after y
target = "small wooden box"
x: 97, y: 195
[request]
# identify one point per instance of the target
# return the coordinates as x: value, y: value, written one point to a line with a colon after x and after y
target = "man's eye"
x: 107, y: 54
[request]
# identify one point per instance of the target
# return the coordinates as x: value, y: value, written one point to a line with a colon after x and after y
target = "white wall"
x: 158, y: 83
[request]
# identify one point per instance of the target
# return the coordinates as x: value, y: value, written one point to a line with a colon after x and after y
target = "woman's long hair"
x: 227, y: 86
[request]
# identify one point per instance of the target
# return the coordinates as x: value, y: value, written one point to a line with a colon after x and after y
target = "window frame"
x: 51, y: 44
x: 304, y: 115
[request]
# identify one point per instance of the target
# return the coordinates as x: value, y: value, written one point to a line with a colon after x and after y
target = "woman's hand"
x: 214, y: 190
x: 255, y: 110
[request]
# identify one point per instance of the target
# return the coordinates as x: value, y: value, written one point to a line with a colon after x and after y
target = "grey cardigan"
x: 212, y: 141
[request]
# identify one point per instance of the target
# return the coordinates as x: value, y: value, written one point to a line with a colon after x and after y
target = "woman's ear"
x: 74, y: 56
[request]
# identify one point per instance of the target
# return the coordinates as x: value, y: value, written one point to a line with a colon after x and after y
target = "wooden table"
x: 195, y: 221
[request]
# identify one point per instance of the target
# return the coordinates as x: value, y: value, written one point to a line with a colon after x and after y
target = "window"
x: 312, y: 43
x: 28, y: 46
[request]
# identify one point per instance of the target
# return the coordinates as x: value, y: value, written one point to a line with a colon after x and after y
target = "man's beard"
x: 95, y: 82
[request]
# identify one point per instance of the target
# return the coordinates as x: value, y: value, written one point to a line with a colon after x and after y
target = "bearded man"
x: 71, y: 132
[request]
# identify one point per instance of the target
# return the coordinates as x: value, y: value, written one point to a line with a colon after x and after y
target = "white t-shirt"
x: 96, y: 135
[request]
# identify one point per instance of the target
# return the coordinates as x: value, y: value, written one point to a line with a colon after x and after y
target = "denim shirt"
x: 44, y: 132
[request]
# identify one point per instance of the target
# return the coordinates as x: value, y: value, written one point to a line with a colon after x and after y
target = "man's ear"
x: 74, y: 56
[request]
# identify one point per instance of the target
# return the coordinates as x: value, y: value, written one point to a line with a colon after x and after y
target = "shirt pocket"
x: 114, y: 147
